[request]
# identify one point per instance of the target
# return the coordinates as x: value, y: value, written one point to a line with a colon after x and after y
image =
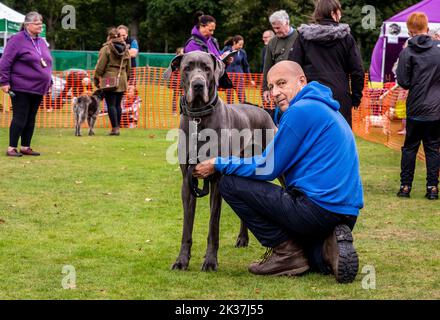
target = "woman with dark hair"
x: 202, y: 40
x: 113, y: 61
x: 26, y: 74
x: 238, y: 66
x: 201, y: 35
x: 328, y: 54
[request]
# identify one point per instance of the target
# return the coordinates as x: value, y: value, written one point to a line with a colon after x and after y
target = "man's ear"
x: 303, y: 80
x: 219, y: 68
x: 174, y: 65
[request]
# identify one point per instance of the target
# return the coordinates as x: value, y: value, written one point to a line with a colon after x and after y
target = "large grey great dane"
x: 207, y: 124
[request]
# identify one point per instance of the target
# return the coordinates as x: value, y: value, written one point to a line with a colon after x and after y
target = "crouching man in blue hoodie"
x: 306, y: 226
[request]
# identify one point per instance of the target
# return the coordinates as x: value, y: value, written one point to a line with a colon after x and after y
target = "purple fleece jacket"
x: 193, y: 46
x: 20, y: 65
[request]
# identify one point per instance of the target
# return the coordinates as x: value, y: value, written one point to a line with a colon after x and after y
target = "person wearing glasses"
x: 26, y: 75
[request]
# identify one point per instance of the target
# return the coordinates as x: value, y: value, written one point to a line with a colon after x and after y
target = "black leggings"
x: 113, y: 100
x: 416, y: 132
x: 24, y: 112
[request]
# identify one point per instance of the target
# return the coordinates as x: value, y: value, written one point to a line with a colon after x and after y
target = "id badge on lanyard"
x: 43, y: 63
x: 38, y: 49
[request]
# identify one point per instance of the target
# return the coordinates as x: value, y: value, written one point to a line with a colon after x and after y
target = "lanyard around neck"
x: 37, y: 48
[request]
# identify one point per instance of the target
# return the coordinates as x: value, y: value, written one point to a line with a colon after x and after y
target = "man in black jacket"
x: 418, y: 71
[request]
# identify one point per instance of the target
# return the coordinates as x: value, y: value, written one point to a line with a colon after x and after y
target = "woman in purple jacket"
x: 202, y: 40
x: 201, y: 35
x: 26, y: 75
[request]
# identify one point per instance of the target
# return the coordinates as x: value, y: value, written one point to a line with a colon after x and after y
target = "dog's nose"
x: 198, y: 86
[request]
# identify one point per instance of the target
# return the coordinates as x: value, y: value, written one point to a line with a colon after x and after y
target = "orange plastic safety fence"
x: 150, y: 101
x: 381, y: 116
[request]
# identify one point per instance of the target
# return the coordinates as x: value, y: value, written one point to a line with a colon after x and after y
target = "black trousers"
x: 24, y: 112
x: 427, y: 132
x: 113, y: 100
x: 275, y: 215
x: 347, y: 113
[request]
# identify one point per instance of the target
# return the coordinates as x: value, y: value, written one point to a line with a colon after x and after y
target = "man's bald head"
x: 285, y: 80
x: 287, y: 66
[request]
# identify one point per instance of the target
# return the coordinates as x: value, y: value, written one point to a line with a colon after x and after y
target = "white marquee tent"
x: 10, y: 23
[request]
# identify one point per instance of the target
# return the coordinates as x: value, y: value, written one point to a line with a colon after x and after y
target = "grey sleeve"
x: 268, y: 63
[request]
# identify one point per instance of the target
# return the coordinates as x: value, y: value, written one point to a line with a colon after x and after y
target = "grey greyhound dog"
x: 207, y: 118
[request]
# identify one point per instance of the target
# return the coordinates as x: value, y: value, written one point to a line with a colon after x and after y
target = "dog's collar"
x: 201, y: 112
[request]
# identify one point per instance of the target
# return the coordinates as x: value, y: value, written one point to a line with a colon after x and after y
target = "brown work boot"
x: 285, y: 259
x: 340, y: 255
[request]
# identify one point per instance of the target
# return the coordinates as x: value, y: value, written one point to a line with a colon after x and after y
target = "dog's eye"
x: 186, y: 69
x: 207, y: 69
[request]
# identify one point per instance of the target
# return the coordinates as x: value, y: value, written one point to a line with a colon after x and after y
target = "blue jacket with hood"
x: 314, y: 148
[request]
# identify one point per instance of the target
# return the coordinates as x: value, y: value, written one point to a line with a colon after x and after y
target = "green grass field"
x: 110, y: 207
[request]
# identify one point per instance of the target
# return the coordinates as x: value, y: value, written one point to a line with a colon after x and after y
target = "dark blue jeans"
x: 275, y: 215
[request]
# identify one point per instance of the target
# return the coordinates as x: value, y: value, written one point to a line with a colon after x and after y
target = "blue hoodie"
x: 314, y: 148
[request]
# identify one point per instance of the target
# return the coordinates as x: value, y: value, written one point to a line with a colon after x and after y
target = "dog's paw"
x: 242, y: 242
x: 180, y: 264
x: 210, y: 264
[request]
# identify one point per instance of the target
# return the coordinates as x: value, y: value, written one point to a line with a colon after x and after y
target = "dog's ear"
x: 219, y: 68
x: 174, y: 65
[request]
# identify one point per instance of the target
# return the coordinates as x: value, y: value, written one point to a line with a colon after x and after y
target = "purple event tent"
x: 394, y: 34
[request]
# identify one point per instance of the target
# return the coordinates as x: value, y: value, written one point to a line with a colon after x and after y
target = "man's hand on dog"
x: 204, y: 169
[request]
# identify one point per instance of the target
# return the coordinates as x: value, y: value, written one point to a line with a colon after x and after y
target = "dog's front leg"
x: 189, y: 209
x: 211, y: 262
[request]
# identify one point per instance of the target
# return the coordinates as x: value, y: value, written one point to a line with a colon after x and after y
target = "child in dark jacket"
x: 417, y: 71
